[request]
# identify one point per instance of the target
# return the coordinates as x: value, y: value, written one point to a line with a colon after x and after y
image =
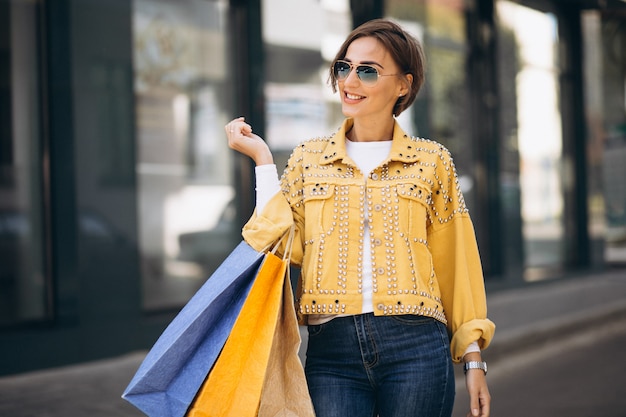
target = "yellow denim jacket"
x: 425, y: 258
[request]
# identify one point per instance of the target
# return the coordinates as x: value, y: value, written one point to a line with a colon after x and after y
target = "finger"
x: 474, y: 405
x: 485, y: 409
x: 238, y: 126
x: 232, y: 129
x: 246, y: 129
x: 231, y: 126
x: 237, y: 121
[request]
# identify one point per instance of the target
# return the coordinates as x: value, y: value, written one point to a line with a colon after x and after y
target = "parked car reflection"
x: 23, y: 291
x: 209, y: 248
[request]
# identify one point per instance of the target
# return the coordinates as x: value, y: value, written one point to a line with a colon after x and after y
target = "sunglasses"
x: 366, y: 73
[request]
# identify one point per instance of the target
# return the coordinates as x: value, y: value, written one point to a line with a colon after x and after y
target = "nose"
x: 352, y: 78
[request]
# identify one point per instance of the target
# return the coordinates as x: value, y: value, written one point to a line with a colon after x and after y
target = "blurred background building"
x: 119, y: 195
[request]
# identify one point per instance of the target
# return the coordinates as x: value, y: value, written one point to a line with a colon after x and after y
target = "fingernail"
x: 474, y: 412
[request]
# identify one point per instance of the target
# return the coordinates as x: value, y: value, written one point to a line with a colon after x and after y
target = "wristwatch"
x: 475, y: 365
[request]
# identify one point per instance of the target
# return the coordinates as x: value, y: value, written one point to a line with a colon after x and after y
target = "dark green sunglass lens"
x: 367, y: 74
x: 342, y: 70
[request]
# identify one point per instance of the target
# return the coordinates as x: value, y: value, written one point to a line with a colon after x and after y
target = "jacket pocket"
x: 319, y: 206
x: 414, y: 207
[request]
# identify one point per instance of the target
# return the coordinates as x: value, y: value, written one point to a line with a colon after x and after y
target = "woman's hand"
x: 476, y: 383
x: 241, y: 139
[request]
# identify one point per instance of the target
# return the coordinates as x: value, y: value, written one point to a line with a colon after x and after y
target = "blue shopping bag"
x: 174, y: 369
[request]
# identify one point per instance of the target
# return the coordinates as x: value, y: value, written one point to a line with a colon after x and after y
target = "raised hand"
x: 241, y: 139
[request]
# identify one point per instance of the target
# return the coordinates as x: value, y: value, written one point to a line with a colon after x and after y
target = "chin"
x: 349, y: 111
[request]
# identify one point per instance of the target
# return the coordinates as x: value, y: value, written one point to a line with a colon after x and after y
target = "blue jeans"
x: 387, y: 366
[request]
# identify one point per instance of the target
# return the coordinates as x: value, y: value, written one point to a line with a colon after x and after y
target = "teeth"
x: 353, y: 97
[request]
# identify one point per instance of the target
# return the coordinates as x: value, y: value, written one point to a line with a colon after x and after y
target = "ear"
x: 405, y: 88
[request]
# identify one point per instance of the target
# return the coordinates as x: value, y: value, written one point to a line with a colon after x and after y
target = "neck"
x: 363, y: 131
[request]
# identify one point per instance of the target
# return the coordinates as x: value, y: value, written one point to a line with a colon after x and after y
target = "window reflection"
x: 439, y: 111
x: 23, y: 287
x: 539, y: 136
x: 300, y: 40
x: 605, y: 100
x: 186, y: 212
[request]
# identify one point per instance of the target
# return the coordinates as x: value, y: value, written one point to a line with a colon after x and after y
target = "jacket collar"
x: 403, y: 147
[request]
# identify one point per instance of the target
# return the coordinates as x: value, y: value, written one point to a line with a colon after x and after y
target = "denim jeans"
x: 387, y: 366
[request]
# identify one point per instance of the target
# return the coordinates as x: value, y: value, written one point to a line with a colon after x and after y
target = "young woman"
x: 391, y: 284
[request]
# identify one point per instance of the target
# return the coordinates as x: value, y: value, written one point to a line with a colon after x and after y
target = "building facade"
x: 119, y: 195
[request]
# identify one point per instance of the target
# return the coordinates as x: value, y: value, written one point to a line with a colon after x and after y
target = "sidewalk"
x: 525, y: 317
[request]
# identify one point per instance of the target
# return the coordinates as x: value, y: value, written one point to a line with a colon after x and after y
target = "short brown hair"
x: 405, y: 49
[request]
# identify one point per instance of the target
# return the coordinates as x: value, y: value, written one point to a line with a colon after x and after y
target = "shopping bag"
x: 234, y: 385
x: 285, y: 391
x: 176, y: 366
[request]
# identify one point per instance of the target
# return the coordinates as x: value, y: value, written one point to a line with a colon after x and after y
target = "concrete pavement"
x: 527, y: 318
x: 575, y: 375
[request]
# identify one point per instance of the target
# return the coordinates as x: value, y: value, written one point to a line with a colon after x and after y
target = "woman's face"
x: 361, y: 101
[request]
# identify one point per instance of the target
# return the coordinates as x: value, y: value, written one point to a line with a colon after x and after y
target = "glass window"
x: 186, y: 211
x: 605, y: 101
x: 439, y: 112
x: 301, y: 38
x: 23, y: 283
x: 440, y: 26
x: 535, y: 130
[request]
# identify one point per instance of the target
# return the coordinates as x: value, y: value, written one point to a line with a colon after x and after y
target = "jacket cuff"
x: 263, y: 229
x: 480, y: 330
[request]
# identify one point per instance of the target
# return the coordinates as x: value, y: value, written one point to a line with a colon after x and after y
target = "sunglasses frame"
x: 358, y: 73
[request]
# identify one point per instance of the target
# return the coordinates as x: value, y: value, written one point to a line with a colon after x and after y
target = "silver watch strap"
x: 475, y: 365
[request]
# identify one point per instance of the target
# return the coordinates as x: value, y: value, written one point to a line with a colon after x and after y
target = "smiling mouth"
x: 354, y: 96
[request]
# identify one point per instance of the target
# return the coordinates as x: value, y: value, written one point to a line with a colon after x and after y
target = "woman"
x: 391, y: 286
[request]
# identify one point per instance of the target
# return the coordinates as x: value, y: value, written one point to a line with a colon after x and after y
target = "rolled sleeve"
x: 459, y: 273
x: 266, y: 227
x: 480, y: 331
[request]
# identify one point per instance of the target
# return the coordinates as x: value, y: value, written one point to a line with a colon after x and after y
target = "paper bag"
x: 174, y: 369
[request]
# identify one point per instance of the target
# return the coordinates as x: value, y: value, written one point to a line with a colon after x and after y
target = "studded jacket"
x: 425, y: 259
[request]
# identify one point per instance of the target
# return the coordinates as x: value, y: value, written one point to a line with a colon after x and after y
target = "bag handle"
x: 289, y: 235
x: 288, y: 246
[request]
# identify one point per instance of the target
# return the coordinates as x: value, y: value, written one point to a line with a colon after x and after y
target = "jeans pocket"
x: 412, y: 319
x: 315, y: 329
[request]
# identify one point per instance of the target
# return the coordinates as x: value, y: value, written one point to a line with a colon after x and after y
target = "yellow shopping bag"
x: 258, y: 372
x: 234, y: 385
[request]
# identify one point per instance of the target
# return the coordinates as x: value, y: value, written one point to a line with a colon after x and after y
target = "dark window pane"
x: 23, y: 289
